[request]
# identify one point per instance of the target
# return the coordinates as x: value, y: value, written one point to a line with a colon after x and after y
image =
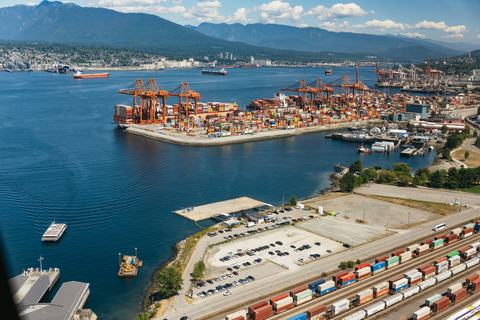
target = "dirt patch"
x: 472, y: 161
x: 433, y: 207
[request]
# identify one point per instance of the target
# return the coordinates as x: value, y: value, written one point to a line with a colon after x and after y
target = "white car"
x: 227, y: 293
x: 229, y: 275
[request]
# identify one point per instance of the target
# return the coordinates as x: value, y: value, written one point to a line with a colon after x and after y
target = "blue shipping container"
x: 377, y: 266
x: 313, y: 286
x: 301, y: 316
x: 477, y: 227
x: 400, y: 288
x: 326, y: 290
x: 347, y: 282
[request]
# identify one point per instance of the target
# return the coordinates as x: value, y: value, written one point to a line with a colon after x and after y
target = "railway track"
x: 350, y: 291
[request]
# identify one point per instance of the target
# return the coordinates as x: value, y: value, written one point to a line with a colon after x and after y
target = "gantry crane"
x: 183, y: 91
x: 318, y: 88
x: 137, y: 90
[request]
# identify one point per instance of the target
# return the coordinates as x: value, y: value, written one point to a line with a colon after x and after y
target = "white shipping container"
x: 460, y: 268
x: 427, y: 283
x: 282, y: 303
x: 443, y: 276
x: 240, y: 313
x: 421, y: 313
x: 442, y: 266
x: 390, y: 301
x: 406, y: 255
x: 453, y: 261
x: 363, y: 271
x: 456, y: 231
x: 469, y: 252
x: 380, y: 287
x: 298, y: 302
x: 413, y: 247
x: 407, y: 274
x: 415, y: 277
x: 359, y: 315
x: 340, y: 306
x: 365, y: 293
x: 475, y: 245
x: 302, y: 294
x: 399, y: 283
x: 374, y: 308
x: 410, y: 292
x: 327, y: 285
x: 454, y: 288
x: 423, y: 248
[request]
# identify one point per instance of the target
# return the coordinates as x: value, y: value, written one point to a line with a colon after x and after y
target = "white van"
x: 439, y: 227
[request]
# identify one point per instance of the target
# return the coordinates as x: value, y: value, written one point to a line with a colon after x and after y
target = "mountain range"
x: 318, y: 40
x: 68, y: 23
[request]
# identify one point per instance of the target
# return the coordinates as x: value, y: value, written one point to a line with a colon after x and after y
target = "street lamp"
x: 409, y: 218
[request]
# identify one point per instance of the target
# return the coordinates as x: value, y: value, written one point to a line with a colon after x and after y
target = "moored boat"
x: 80, y: 75
x: 54, y: 232
x: 362, y: 149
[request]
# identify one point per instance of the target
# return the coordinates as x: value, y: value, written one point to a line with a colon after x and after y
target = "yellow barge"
x: 128, y: 265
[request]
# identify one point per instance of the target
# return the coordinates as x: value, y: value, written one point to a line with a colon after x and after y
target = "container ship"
x: 221, y: 72
x: 54, y: 232
x: 80, y: 75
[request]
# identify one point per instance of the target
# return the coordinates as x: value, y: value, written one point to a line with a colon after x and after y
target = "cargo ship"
x: 80, y: 75
x: 221, y: 72
x: 54, y: 232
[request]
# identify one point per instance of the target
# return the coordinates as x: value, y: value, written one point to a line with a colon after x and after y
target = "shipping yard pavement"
x: 275, y: 274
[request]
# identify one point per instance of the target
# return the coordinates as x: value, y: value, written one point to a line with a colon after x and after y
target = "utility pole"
x: 409, y: 218
x: 363, y: 216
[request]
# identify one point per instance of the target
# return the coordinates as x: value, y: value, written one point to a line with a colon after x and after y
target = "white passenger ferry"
x: 54, y: 232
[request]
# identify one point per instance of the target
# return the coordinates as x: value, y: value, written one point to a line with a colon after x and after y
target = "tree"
x: 356, y: 167
x: 444, y: 129
x: 404, y: 181
x: 467, y: 128
x: 169, y: 281
x: 475, y: 133
x: 436, y: 179
x: 293, y: 201
x: 377, y: 168
x: 198, y: 270
x: 348, y: 182
x: 143, y: 316
x: 417, y: 181
x: 446, y: 153
x: 467, y: 154
x: 401, y: 169
x: 477, y: 142
x: 387, y: 176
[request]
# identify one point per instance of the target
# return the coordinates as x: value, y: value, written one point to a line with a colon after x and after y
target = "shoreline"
x: 181, y: 138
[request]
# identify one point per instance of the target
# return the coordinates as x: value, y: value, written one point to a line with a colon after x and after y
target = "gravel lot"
x: 377, y: 213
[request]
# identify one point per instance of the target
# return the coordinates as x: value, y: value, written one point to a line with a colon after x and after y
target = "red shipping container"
x: 337, y: 276
x: 382, y: 258
x: 262, y: 313
x: 441, y: 304
x: 398, y: 252
x: 451, y: 238
x: 459, y: 295
x: 364, y: 265
x: 295, y: 291
x: 256, y: 306
x: 428, y: 271
x: 239, y: 318
x: 280, y: 297
x: 424, y: 267
x: 440, y: 236
x: 466, y: 231
x: 475, y: 286
x: 427, y: 241
x: 288, y: 306
x: 316, y: 311
x: 440, y: 260
x: 416, y: 281
x: 462, y: 251
x: 472, y: 278
x: 346, y: 278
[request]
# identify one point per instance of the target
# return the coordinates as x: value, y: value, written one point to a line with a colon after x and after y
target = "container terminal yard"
x: 407, y: 263
x: 309, y: 107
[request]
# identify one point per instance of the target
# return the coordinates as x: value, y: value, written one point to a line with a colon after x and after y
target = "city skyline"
x: 446, y: 21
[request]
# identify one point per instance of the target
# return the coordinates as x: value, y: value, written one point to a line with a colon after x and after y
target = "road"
x: 288, y: 278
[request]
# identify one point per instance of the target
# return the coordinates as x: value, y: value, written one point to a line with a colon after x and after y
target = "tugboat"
x: 362, y: 149
x: 328, y: 72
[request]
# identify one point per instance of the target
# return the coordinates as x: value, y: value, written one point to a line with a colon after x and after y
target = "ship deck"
x: 223, y: 207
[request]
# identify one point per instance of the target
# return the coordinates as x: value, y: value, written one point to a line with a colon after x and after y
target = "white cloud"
x: 478, y: 36
x: 456, y: 29
x: 30, y: 4
x: 440, y: 26
x: 128, y: 3
x: 383, y: 25
x: 340, y: 27
x: 454, y: 36
x: 206, y: 11
x: 241, y: 15
x: 303, y: 25
x: 414, y: 35
x: 177, y: 2
x: 278, y: 10
x: 177, y: 9
x: 337, y: 11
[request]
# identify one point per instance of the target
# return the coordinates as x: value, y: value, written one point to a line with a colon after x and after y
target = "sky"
x: 442, y: 20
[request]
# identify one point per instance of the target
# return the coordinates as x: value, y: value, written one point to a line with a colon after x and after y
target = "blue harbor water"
x: 63, y: 158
